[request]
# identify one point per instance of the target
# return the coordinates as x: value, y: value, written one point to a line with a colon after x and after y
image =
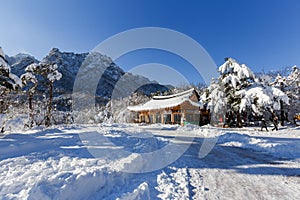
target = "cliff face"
x: 113, y: 79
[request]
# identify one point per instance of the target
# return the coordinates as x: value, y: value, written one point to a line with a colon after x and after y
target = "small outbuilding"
x: 180, y: 108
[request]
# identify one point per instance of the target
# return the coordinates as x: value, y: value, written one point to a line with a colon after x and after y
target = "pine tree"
x: 280, y: 82
x: 8, y: 82
x: 293, y: 91
x: 215, y: 99
x: 290, y: 85
x: 235, y: 77
x: 261, y: 96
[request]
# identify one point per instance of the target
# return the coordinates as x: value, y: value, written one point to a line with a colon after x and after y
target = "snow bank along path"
x: 55, y: 163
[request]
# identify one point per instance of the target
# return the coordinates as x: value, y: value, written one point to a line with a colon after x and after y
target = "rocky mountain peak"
x: 69, y: 64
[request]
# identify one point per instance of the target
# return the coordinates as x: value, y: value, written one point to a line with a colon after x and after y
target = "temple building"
x: 177, y: 108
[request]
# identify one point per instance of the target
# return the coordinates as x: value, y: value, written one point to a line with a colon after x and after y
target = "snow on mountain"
x: 19, y: 62
x: 69, y: 63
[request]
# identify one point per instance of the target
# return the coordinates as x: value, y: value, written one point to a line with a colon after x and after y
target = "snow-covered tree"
x: 118, y: 107
x: 215, y: 99
x: 260, y: 96
x: 8, y: 82
x: 290, y: 85
x: 49, y: 72
x: 293, y: 91
x: 240, y: 91
x: 29, y: 80
x: 280, y: 82
x: 293, y: 80
x: 235, y: 77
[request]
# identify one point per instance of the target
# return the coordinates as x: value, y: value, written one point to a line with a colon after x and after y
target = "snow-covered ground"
x: 129, y: 161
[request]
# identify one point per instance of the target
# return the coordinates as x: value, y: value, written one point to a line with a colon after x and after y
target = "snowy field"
x: 134, y: 162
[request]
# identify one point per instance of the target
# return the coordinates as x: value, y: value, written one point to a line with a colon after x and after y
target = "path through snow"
x: 56, y: 163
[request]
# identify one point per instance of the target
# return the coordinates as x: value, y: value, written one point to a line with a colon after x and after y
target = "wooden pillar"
x: 182, y: 118
x: 172, y: 118
x: 183, y: 114
x: 154, y: 118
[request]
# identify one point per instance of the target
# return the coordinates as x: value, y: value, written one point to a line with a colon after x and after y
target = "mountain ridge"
x: 69, y: 64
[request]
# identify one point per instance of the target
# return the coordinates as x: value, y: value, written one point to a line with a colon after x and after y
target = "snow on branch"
x: 261, y: 96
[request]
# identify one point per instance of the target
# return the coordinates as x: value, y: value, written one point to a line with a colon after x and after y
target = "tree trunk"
x: 239, y: 120
x: 281, y: 106
x: 281, y: 113
x: 49, y: 111
x: 30, y: 97
x: 1, y: 106
x: 3, y: 103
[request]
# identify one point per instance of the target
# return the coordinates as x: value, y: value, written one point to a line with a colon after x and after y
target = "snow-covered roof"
x: 162, y: 102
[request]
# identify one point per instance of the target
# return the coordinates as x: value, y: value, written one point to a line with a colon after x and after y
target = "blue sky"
x: 264, y: 34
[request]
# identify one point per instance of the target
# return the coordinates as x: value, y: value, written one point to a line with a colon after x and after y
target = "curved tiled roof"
x: 162, y: 102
